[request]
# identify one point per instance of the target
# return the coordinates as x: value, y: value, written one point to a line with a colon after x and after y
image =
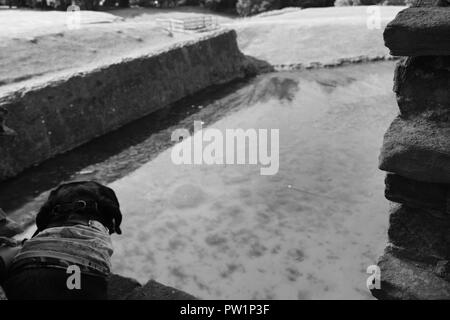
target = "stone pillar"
x: 416, y: 155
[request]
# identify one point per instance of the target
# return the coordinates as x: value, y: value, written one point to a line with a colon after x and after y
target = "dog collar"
x: 80, y: 221
x: 88, y: 222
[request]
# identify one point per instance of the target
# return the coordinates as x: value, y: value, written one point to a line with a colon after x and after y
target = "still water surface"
x: 308, y: 232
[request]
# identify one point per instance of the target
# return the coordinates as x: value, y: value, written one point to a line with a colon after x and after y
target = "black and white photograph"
x: 224, y: 154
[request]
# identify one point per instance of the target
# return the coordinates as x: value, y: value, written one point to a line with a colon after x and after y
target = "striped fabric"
x: 88, y: 246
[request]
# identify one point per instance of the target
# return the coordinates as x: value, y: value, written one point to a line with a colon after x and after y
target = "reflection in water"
x: 225, y: 231
x: 274, y: 88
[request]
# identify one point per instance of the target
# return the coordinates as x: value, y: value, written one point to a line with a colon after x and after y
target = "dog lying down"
x: 73, y: 229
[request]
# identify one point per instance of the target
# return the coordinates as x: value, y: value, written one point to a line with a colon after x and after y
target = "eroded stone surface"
x: 422, y: 85
x: 403, y: 279
x: 153, y: 290
x: 119, y: 287
x: 424, y: 235
x: 123, y: 288
x: 418, y: 149
x: 419, y: 31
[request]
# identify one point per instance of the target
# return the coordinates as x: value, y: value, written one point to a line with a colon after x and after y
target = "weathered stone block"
x: 123, y: 288
x: 422, y: 84
x: 403, y: 279
x: 418, y: 149
x: 153, y: 290
x: 418, y: 194
x: 419, y: 32
x: 119, y: 288
x: 423, y: 236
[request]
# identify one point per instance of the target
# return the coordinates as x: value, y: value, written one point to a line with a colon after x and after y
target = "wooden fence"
x: 194, y: 24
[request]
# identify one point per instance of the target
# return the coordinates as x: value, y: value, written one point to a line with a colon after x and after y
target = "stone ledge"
x: 422, y: 84
x: 424, y: 235
x: 417, y: 149
x: 419, y: 31
x: 153, y: 290
x: 403, y: 279
x: 119, y: 287
x: 122, y: 288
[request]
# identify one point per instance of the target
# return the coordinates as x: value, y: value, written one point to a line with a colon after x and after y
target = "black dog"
x: 73, y: 229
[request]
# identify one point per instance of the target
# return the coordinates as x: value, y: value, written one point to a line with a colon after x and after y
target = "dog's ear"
x: 46, y: 212
x: 117, y: 220
x: 110, y: 207
x: 114, y: 216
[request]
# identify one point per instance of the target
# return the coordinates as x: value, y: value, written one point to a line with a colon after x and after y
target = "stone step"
x: 119, y: 287
x: 422, y: 85
x: 424, y: 234
x: 123, y: 288
x: 403, y: 279
x: 420, y: 31
x: 418, y: 149
x: 418, y: 194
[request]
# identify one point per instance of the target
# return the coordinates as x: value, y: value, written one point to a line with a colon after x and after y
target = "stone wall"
x: 40, y: 122
x: 416, y: 153
x: 122, y: 288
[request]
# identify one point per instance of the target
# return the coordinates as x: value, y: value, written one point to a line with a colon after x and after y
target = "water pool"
x: 308, y: 232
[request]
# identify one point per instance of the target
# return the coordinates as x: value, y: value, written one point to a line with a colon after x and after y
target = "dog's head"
x: 106, y: 208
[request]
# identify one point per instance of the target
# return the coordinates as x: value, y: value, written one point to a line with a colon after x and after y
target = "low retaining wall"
x: 65, y: 113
